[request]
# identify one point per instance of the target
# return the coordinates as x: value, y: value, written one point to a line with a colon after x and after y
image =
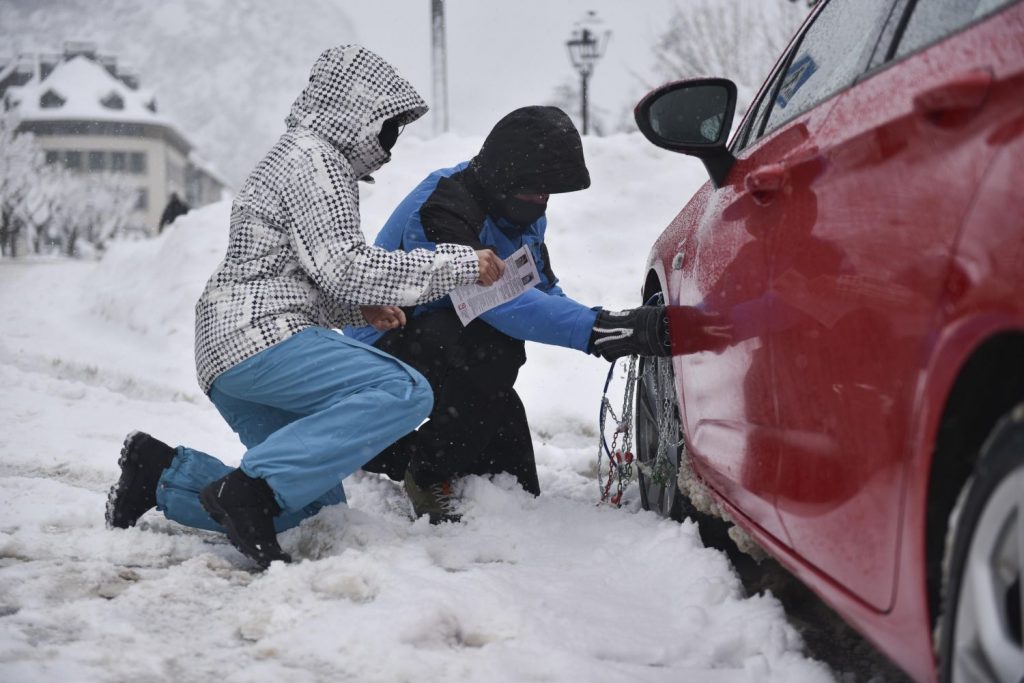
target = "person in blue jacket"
x: 497, y: 200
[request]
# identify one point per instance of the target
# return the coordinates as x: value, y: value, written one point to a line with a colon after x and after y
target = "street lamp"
x: 586, y: 46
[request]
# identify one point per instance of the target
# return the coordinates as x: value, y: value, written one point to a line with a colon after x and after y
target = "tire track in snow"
x: 116, y: 381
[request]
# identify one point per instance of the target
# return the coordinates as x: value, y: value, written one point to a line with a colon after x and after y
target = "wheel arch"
x: 987, y: 384
x: 652, y: 285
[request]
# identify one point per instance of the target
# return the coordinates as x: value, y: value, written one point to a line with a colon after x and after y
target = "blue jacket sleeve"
x: 547, y: 318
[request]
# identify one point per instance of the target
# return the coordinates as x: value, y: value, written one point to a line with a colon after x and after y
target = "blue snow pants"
x: 311, y: 410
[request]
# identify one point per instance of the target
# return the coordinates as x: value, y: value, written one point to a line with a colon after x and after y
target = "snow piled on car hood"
x: 553, y: 588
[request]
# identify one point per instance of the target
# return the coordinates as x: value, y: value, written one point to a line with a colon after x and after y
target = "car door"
x: 725, y: 399
x: 728, y: 399
x: 890, y: 176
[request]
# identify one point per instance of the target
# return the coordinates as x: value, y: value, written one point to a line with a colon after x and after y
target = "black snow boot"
x: 246, y: 508
x: 437, y: 501
x: 143, y: 459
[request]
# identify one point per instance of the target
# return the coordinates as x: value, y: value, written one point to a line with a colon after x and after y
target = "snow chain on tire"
x: 621, y: 458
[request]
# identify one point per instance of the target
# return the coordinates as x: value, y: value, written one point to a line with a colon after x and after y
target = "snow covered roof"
x: 81, y: 89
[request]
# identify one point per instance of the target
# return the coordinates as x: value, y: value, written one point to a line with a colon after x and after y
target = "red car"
x: 864, y: 233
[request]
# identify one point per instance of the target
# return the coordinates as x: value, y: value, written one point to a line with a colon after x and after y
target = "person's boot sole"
x: 123, y: 484
x: 208, y: 499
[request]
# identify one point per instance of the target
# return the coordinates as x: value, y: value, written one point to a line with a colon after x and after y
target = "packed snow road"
x: 554, y: 588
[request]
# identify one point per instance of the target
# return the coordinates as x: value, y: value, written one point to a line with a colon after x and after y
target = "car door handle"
x: 765, y: 182
x: 961, y: 94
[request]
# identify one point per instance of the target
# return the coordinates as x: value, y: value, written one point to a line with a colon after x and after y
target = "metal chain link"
x: 658, y: 374
x: 620, y: 459
x: 662, y: 472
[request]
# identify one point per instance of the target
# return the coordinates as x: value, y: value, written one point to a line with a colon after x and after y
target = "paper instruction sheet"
x: 520, y: 275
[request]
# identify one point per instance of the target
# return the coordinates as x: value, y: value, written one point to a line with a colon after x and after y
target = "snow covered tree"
x: 20, y: 163
x: 96, y: 208
x: 739, y: 40
x: 47, y: 209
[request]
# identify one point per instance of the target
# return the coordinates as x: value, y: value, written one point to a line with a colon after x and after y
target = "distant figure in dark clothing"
x: 175, y: 207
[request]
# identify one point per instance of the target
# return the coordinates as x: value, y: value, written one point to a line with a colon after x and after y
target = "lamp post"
x: 586, y: 45
x: 439, y: 60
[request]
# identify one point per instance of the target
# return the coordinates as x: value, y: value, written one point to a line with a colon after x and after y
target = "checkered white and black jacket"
x: 296, y: 255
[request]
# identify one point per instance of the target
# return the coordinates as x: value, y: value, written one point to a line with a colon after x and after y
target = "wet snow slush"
x: 554, y: 588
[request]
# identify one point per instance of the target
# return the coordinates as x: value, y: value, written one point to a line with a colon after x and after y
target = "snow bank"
x: 553, y: 588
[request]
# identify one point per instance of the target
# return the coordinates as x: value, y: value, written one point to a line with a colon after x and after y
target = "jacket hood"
x: 350, y: 94
x: 535, y: 149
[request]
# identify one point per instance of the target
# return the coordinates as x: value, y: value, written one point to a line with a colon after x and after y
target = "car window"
x: 831, y: 55
x: 933, y: 20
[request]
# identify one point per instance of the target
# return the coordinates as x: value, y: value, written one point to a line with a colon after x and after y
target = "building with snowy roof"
x: 92, y: 117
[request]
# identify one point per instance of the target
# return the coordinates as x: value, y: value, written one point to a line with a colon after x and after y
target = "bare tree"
x: 567, y: 97
x: 738, y: 39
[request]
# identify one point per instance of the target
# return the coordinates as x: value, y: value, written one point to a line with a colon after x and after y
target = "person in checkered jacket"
x: 310, y: 405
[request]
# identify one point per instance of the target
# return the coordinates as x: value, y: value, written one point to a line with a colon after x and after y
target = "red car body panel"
x: 863, y: 251
x: 902, y: 156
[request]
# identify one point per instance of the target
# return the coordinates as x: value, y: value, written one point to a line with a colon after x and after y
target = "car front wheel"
x: 659, y: 439
x: 980, y: 633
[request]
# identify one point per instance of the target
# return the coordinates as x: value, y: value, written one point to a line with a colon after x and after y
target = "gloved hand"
x: 639, y: 331
x: 658, y: 331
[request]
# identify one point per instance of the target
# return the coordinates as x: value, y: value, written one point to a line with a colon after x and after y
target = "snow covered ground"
x: 548, y: 589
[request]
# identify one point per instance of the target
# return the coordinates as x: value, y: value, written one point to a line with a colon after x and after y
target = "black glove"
x: 635, y: 332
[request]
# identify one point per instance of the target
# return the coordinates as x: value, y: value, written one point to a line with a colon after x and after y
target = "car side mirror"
x: 692, y: 117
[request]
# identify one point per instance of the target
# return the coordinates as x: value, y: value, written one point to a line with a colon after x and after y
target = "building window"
x: 51, y: 100
x: 118, y: 161
x: 138, y: 162
x: 113, y: 101
x: 73, y: 160
x: 52, y: 157
x: 97, y: 161
x: 176, y: 174
x: 141, y: 199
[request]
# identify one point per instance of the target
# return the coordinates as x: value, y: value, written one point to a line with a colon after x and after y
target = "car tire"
x: 980, y: 626
x: 659, y: 491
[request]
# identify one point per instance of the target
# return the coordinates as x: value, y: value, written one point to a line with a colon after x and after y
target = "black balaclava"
x: 531, y: 150
x: 519, y: 212
x: 388, y: 135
